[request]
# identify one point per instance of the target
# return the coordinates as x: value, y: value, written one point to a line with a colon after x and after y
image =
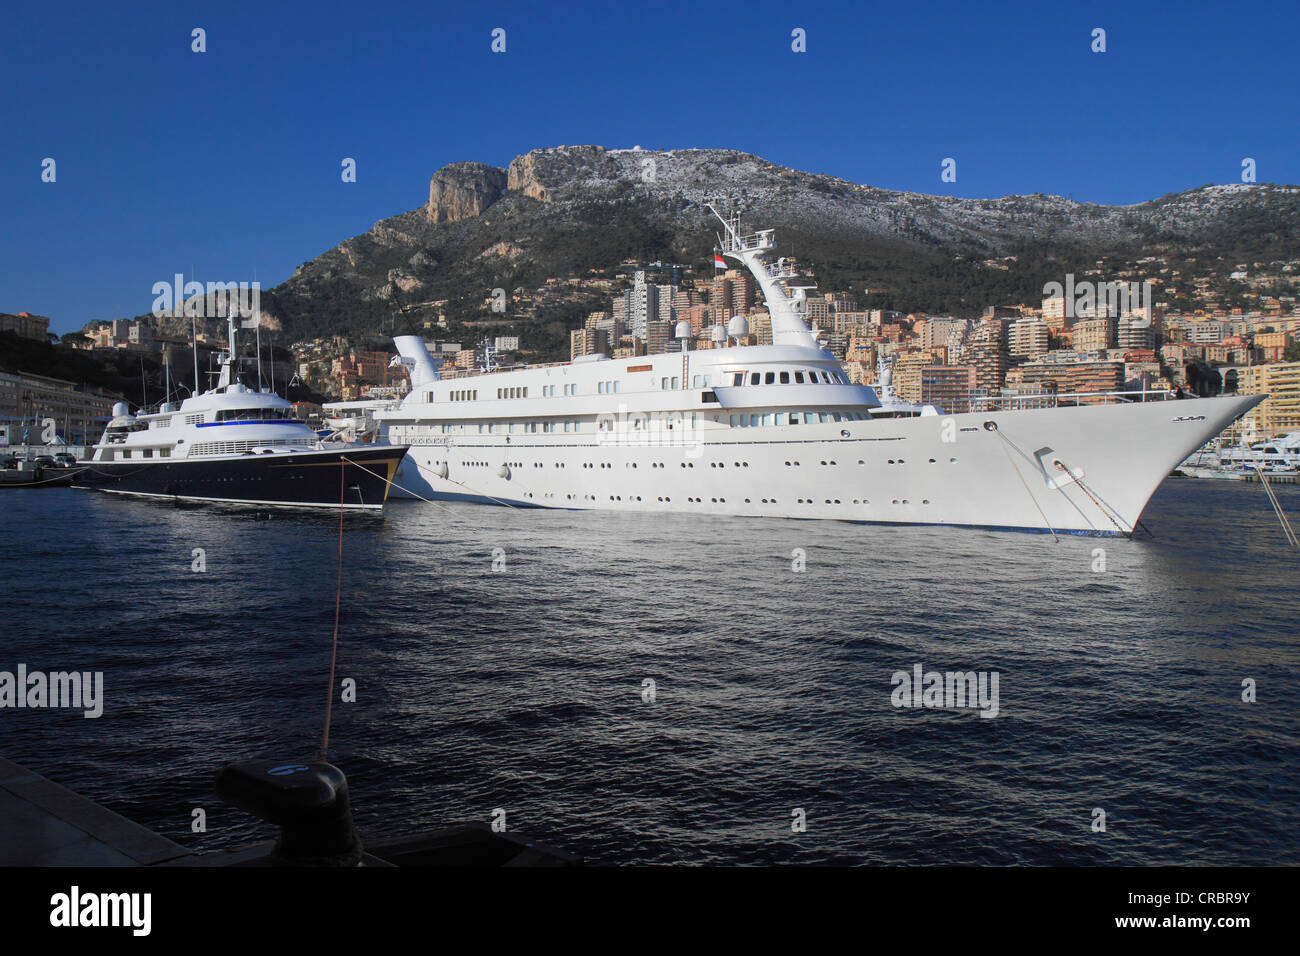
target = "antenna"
x: 194, y: 346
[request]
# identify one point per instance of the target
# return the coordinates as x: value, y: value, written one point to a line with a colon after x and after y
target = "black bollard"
x: 308, y: 802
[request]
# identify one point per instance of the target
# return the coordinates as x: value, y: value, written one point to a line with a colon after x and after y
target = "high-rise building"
x: 1063, y: 376
x: 1278, y: 414
x: 588, y: 342
x: 1054, y: 313
x: 948, y: 386
x: 1135, y: 332
x: 666, y: 302
x: 939, y: 331
x: 1094, y: 335
x: 1027, y: 337
x: 742, y: 292
x: 843, y: 302
x: 642, y: 305
x: 819, y: 312
x: 658, y: 336
x: 991, y: 364
x: 850, y: 321
x: 907, y: 374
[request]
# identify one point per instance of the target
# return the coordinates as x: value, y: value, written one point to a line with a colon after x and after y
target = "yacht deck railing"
x: 994, y: 403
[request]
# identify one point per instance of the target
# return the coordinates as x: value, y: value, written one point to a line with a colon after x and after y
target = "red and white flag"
x: 719, y: 262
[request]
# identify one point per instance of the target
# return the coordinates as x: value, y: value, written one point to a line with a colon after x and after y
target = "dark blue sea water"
x: 522, y: 688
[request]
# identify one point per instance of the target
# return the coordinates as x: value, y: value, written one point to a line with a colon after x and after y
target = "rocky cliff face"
x: 462, y: 190
x: 578, y: 210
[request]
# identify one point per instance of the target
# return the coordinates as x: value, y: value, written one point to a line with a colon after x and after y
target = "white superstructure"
x: 235, y: 444
x: 778, y: 430
x: 230, y: 419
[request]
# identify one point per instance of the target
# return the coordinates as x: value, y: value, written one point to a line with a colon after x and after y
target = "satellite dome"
x: 683, y: 330
x: 738, y: 327
x: 719, y: 333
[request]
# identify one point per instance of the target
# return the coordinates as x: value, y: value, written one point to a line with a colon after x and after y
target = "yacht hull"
x: 353, y: 478
x: 1089, y: 469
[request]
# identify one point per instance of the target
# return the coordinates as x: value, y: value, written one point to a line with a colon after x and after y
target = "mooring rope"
x: 1277, y: 508
x: 1014, y: 467
x: 334, y: 650
x: 436, y: 504
x: 1103, y: 510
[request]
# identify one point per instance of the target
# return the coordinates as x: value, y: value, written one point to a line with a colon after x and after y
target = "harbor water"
x: 647, y: 689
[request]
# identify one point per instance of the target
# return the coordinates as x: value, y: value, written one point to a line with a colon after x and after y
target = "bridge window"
x: 785, y: 378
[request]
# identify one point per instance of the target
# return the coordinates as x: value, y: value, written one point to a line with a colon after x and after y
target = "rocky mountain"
x: 582, y: 211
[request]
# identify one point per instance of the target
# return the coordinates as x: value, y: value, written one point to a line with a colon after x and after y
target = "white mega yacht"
x: 779, y: 430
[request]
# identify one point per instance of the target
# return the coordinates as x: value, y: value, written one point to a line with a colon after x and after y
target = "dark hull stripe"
x: 308, y: 479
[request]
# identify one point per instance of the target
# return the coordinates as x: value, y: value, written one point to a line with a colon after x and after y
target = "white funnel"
x: 419, y: 363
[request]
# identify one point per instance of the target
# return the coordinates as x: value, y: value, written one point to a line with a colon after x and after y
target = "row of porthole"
x: 718, y: 501
x: 720, y: 464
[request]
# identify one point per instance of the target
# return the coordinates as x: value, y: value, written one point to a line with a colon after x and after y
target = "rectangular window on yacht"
x: 733, y: 421
x: 769, y: 378
x: 126, y: 453
x: 164, y: 452
x: 809, y: 418
x: 618, y: 386
x: 798, y: 378
x: 148, y: 453
x: 664, y: 384
x: 794, y: 418
x: 753, y: 421
x: 674, y: 381
x: 755, y: 378
x: 767, y: 419
x: 737, y: 378
x: 785, y: 378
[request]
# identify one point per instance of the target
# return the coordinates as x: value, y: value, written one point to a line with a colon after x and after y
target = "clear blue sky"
x: 227, y: 163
